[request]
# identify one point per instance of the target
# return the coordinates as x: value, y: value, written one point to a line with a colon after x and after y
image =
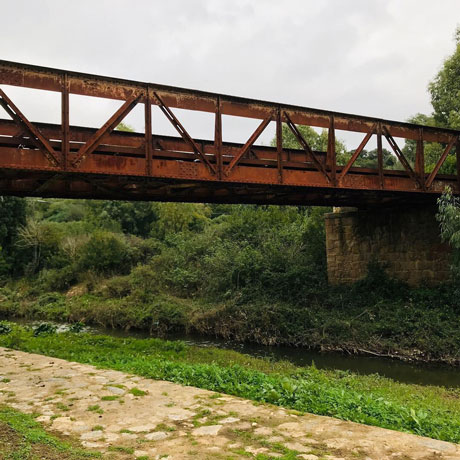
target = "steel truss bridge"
x: 60, y: 160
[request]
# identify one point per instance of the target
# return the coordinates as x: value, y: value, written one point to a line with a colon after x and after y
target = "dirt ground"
x: 128, y: 417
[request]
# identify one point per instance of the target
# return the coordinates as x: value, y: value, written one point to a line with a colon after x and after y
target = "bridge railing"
x: 26, y: 145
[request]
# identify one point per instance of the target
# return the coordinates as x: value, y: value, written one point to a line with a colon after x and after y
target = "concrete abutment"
x: 405, y: 241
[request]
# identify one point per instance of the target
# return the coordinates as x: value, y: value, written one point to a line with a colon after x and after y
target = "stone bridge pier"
x: 405, y: 241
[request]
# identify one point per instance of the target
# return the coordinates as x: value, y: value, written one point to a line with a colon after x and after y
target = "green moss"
x: 137, y: 392
x: 95, y: 408
x: 109, y: 398
x: 125, y: 450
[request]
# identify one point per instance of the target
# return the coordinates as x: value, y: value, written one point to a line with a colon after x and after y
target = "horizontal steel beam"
x: 17, y: 74
x: 96, y: 163
x: 122, y: 154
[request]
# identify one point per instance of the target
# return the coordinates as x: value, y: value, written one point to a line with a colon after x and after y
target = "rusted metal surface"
x: 69, y: 161
x: 356, y: 154
x: 31, y: 131
x: 245, y: 149
x: 402, y: 159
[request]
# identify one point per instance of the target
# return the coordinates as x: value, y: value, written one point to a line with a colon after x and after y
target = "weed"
x: 96, y: 408
x: 137, y: 392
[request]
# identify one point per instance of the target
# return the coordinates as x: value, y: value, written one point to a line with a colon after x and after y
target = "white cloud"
x: 373, y: 57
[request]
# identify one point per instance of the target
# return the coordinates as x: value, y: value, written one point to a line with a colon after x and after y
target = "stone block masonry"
x: 405, y: 241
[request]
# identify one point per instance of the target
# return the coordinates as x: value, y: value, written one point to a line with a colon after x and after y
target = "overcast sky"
x: 370, y: 57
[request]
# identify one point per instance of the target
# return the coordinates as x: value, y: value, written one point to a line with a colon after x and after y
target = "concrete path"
x: 126, y: 416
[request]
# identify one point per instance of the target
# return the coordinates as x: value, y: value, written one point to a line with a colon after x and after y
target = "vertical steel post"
x: 380, y: 155
x: 420, y: 159
x: 218, y: 141
x: 279, y: 145
x: 65, y: 123
x: 148, y: 134
x: 331, y: 160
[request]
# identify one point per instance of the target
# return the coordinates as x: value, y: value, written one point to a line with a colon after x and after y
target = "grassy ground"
x: 428, y: 411
x: 22, y: 438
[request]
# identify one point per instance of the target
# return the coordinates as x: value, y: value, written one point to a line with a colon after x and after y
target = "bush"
x: 5, y: 327
x: 76, y: 327
x: 378, y: 285
x: 254, y: 252
x: 105, y: 252
x: 50, y: 306
x: 116, y: 287
x: 44, y: 329
x: 58, y: 279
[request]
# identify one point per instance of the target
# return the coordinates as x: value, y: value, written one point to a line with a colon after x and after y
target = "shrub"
x: 44, y: 329
x: 378, y: 285
x: 5, y: 327
x: 76, y: 327
x: 49, y: 306
x: 116, y: 287
x: 105, y: 252
x: 58, y: 279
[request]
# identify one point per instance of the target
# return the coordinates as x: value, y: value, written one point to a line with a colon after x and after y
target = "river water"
x: 422, y: 374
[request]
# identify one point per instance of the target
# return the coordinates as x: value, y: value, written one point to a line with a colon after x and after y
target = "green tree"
x: 445, y: 99
x: 369, y: 159
x: 125, y: 127
x: 179, y: 217
x: 316, y: 141
x: 12, y: 217
x: 105, y: 252
x: 41, y: 242
x: 445, y: 90
x: 135, y: 218
x: 449, y: 220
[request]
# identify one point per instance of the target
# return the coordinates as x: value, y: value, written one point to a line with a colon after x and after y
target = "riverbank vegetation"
x: 248, y: 273
x: 373, y: 400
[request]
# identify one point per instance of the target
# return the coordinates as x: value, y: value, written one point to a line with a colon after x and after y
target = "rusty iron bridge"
x: 60, y: 160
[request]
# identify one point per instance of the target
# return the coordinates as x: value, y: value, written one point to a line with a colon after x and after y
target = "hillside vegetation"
x: 250, y: 273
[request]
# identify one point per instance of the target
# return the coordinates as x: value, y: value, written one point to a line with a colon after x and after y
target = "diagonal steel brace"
x: 182, y: 131
x: 357, y: 153
x: 93, y: 143
x: 248, y: 145
x: 401, y: 157
x: 29, y: 129
x: 306, y: 147
x: 441, y: 160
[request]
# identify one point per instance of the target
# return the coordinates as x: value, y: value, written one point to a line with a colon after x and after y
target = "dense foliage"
x: 12, y: 217
x: 445, y: 90
x: 250, y: 273
x: 191, y: 250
